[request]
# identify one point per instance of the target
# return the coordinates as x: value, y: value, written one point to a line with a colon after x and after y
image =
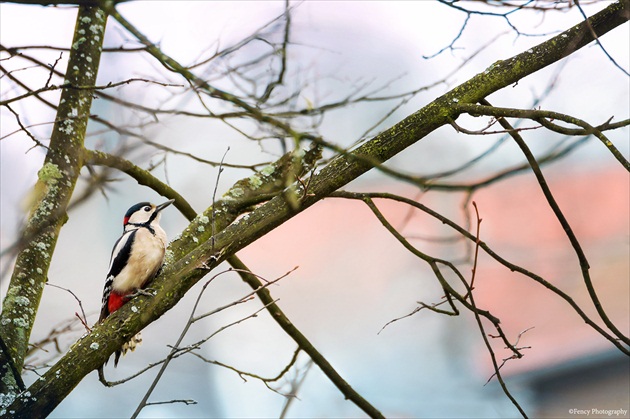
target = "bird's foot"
x: 147, y: 292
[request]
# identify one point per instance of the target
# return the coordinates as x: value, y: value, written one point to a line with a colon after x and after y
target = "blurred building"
x: 570, y: 369
x: 596, y: 385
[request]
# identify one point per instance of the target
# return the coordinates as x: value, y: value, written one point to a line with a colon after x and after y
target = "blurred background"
x: 353, y: 277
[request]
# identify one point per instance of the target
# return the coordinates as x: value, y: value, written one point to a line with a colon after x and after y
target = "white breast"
x: 147, y: 255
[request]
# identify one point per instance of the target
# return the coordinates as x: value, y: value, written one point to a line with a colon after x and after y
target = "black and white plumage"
x: 136, y: 258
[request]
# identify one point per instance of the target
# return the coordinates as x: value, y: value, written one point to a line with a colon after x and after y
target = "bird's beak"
x: 164, y: 205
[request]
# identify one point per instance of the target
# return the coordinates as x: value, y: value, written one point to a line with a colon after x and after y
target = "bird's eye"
x: 147, y: 208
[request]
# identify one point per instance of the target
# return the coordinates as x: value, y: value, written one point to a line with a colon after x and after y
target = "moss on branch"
x: 55, y: 184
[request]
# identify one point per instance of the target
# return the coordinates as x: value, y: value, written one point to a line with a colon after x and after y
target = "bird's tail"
x: 129, y: 346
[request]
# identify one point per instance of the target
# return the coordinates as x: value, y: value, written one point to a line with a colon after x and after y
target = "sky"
x: 342, y: 44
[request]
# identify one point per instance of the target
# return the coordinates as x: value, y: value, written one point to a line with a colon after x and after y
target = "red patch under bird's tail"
x: 115, y: 302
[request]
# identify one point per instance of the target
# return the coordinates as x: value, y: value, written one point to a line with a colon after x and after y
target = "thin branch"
x: 557, y: 152
x: 283, y: 56
x: 52, y: 69
x: 290, y: 329
x: 142, y: 176
x: 214, y: 196
x: 295, y: 387
x: 266, y: 381
x: 83, y: 317
x: 543, y: 116
x: 187, y: 402
x: 71, y: 86
x: 512, y: 267
x: 451, y: 45
x: 506, y: 15
x: 65, y: 327
x: 497, y: 373
x: 590, y: 27
x: 431, y: 307
x: 514, y: 356
x: 484, y: 131
x: 584, y: 265
x: 476, y: 256
x: 191, y: 320
x: 23, y: 128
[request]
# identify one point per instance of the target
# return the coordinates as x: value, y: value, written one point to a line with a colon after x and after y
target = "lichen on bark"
x: 56, y: 181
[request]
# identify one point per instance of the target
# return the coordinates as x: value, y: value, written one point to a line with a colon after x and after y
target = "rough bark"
x: 56, y: 181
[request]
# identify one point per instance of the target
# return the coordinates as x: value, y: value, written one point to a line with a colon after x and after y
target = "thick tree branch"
x: 56, y: 182
x: 146, y: 178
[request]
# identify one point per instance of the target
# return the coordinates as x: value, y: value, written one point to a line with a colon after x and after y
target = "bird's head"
x: 144, y: 213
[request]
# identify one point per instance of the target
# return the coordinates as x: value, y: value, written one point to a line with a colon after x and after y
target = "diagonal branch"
x: 146, y: 178
x: 278, y: 315
x: 143, y: 177
x: 488, y: 250
x: 584, y: 265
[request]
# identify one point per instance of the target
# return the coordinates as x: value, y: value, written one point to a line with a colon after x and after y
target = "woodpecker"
x: 136, y: 258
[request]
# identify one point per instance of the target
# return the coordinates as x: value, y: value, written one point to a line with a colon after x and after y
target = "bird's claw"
x: 147, y: 292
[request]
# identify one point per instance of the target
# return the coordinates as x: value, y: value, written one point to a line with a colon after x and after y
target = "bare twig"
x: 23, y: 128
x: 52, y: 69
x: 517, y: 354
x: 511, y: 266
x: 584, y: 265
x: 83, y: 317
x: 590, y: 27
x: 191, y: 320
x: 266, y: 381
x: 110, y: 85
x: 57, y: 342
x: 185, y: 401
x: 283, y: 56
x: 278, y: 315
x: 295, y: 387
x: 214, y: 196
x: 543, y: 117
x: 477, y: 242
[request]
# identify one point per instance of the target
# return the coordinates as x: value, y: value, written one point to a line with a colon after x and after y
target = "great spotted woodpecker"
x: 136, y: 259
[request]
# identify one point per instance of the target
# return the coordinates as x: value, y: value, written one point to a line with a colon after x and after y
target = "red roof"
x: 518, y: 223
x: 349, y: 262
